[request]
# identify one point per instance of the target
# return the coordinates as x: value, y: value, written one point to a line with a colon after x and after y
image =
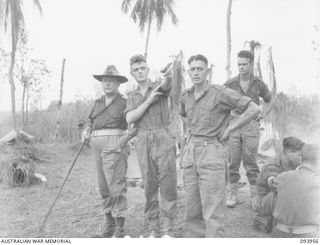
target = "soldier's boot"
x: 154, y: 228
x: 232, y: 195
x: 263, y: 223
x: 253, y: 194
x: 119, y: 227
x: 110, y: 225
x: 168, y: 228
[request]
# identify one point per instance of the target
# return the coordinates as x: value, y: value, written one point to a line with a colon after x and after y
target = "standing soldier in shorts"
x: 243, y: 144
x: 206, y: 109
x: 148, y: 109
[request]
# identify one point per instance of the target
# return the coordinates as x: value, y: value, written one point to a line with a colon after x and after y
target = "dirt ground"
x: 78, y: 211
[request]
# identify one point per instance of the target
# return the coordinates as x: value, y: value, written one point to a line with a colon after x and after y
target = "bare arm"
x: 136, y: 114
x: 249, y: 114
x: 267, y: 108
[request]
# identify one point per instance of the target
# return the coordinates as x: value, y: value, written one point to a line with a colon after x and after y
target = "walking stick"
x: 64, y: 181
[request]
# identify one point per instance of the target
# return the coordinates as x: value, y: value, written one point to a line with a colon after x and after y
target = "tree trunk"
x: 229, y: 40
x: 147, y: 40
x: 27, y: 106
x: 23, y: 103
x: 11, y: 81
x: 56, y: 134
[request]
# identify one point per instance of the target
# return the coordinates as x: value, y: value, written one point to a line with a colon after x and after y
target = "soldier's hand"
x: 154, y: 95
x: 168, y: 73
x: 85, y: 134
x: 225, y: 136
x: 271, y: 183
x: 123, y: 140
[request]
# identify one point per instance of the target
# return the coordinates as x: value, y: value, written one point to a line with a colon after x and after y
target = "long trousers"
x: 157, y: 160
x: 111, y: 163
x: 205, y: 181
x: 243, y: 145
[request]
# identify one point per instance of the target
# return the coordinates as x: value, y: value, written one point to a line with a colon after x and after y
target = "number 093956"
x: 309, y: 241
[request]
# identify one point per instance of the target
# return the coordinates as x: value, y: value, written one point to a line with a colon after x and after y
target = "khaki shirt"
x: 256, y: 88
x: 298, y: 201
x: 157, y: 115
x: 209, y: 114
x: 273, y: 167
x: 110, y: 116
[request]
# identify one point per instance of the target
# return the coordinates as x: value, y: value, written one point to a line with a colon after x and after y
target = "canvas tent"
x: 11, y: 137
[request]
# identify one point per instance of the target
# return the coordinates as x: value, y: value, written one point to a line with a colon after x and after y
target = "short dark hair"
x: 138, y: 58
x: 310, y: 153
x: 246, y: 54
x: 292, y: 143
x: 198, y: 57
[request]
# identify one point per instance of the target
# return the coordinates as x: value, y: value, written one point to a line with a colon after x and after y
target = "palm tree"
x: 228, y: 68
x: 11, y: 14
x: 255, y: 48
x: 145, y: 11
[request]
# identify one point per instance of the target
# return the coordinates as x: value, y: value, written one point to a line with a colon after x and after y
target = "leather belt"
x: 298, y: 229
x: 107, y: 132
x: 198, y: 141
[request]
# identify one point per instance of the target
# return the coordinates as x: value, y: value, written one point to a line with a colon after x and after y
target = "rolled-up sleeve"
x: 265, y: 93
x: 232, y: 100
x: 130, y: 104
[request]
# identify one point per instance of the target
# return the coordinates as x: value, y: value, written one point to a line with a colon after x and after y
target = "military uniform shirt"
x: 157, y: 114
x: 272, y: 167
x: 298, y: 201
x: 256, y: 88
x: 209, y: 114
x: 110, y: 116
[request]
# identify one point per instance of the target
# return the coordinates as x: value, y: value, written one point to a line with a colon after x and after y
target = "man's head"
x: 139, y: 68
x: 198, y: 69
x: 310, y: 155
x: 245, y: 62
x: 292, y: 147
x: 110, y: 80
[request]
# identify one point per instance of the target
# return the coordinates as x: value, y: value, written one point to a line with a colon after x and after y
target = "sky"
x: 92, y: 34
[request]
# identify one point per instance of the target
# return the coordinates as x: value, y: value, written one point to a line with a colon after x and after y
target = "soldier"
x: 148, y: 109
x: 206, y: 109
x: 265, y: 199
x: 297, y: 212
x: 110, y: 149
x: 243, y: 144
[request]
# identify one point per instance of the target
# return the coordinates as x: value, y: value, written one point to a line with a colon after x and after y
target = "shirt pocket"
x: 116, y: 111
x: 207, y: 116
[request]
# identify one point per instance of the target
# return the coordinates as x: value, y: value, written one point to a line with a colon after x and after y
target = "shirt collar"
x: 191, y: 90
x: 150, y: 85
x: 103, y: 99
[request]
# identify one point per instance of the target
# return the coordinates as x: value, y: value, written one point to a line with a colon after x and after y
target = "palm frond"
x: 38, y: 5
x: 135, y: 11
x: 125, y: 6
x: 172, y: 14
x: 160, y: 12
x: 144, y: 14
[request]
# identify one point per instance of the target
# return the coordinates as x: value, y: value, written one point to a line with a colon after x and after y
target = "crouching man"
x: 297, y: 211
x: 264, y: 202
x: 110, y: 149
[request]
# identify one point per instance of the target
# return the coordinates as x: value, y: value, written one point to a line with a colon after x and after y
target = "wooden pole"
x: 64, y: 181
